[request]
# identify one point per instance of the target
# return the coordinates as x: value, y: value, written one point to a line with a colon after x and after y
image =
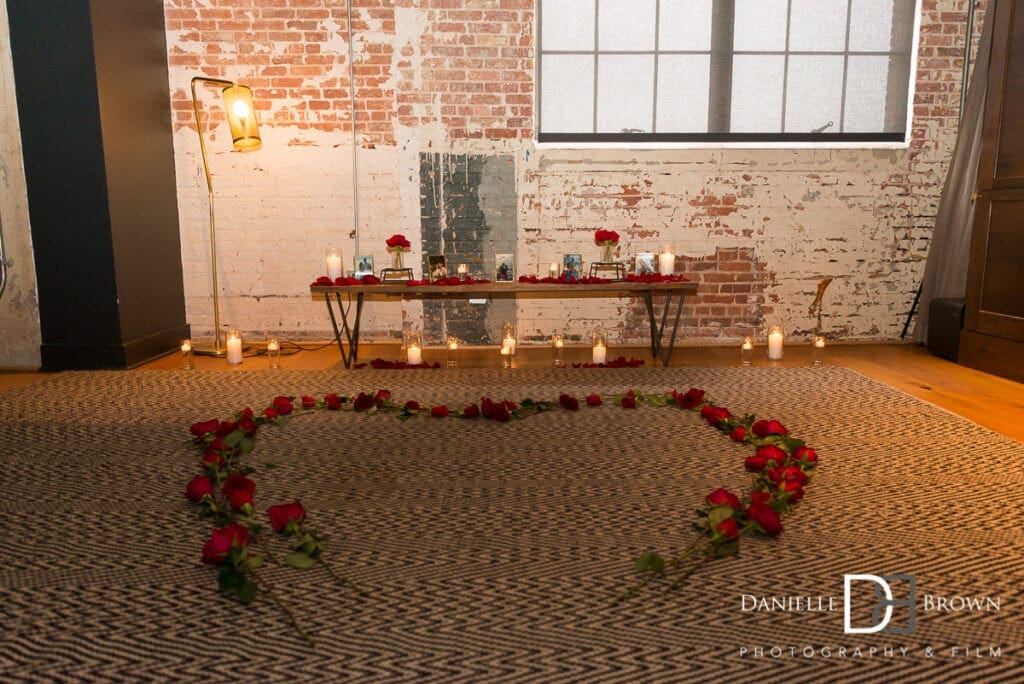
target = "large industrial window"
x: 724, y: 70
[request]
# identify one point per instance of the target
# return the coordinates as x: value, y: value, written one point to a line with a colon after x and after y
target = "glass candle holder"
x: 554, y: 270
x: 274, y: 353
x: 187, y: 358
x: 667, y: 260
x: 599, y: 346
x: 463, y: 271
x: 775, y: 342
x: 558, y: 347
x: 413, y: 348
x: 817, y: 349
x: 452, y: 347
x: 508, y: 344
x: 333, y: 263
x: 747, y: 351
x: 234, y: 347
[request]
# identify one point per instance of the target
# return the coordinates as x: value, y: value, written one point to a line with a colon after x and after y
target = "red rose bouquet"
x: 607, y: 239
x: 396, y: 245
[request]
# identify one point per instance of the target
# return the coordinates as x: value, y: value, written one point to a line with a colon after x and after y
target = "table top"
x: 507, y: 289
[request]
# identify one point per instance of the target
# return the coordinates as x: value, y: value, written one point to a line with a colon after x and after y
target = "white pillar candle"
x: 413, y: 355
x: 600, y: 353
x: 554, y: 270
x: 234, y: 344
x: 775, y: 343
x: 667, y: 261
x: 333, y: 260
x: 510, y: 344
x: 463, y: 269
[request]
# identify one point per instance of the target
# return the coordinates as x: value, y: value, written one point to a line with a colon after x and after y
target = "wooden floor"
x: 985, y: 399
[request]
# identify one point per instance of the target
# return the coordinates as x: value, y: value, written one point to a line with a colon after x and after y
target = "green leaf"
x: 246, y: 444
x: 719, y: 514
x: 370, y: 411
x: 792, y: 443
x: 247, y: 592
x: 308, y: 546
x: 229, y: 580
x: 231, y: 440
x: 650, y: 562
x: 300, y: 560
x: 731, y: 548
x: 255, y: 562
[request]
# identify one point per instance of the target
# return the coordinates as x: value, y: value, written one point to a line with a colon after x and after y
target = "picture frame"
x: 362, y: 265
x: 644, y: 264
x: 504, y: 268
x: 572, y: 265
x: 436, y: 267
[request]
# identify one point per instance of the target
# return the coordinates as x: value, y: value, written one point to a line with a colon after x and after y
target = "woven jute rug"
x: 494, y: 552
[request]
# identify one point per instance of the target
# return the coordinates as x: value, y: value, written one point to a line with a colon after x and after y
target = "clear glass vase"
x: 608, y: 252
x: 396, y: 259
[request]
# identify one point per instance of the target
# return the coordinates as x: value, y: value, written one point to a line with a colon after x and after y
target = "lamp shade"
x: 241, y: 114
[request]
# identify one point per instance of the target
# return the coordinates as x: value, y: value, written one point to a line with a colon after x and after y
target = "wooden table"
x: 342, y: 297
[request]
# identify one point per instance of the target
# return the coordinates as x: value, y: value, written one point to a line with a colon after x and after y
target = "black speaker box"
x: 945, y: 320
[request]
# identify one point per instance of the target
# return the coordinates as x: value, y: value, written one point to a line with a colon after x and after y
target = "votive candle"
x: 274, y: 353
x: 453, y: 347
x: 600, y: 353
x: 775, y: 339
x: 554, y: 270
x: 818, y: 350
x: 186, y: 354
x: 558, y: 344
x: 747, y: 351
x: 234, y: 344
x: 414, y: 355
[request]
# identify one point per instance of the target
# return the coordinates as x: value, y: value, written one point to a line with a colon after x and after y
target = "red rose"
x: 248, y: 425
x: 471, y: 411
x: 381, y: 396
x: 333, y: 401
x: 714, y: 414
x: 283, y: 405
x: 738, y: 434
x: 411, y: 406
x: 439, y: 411
x: 628, y: 401
x: 766, y: 518
x: 213, y: 460
x: 397, y: 241
x: 240, y: 498
x: 198, y: 488
x: 729, y: 528
x: 793, y: 489
x: 246, y: 413
x: 723, y: 497
x: 226, y: 428
x: 803, y: 454
x: 270, y: 413
x: 569, y: 403
x: 487, y: 407
x: 363, y: 402
x: 501, y: 413
x: 794, y: 474
x: 237, y: 483
x: 220, y: 542
x: 760, y: 497
x: 771, y: 452
x: 763, y: 428
x: 204, y: 427
x: 692, y: 399
x: 755, y: 462
x: 282, y: 514
x: 593, y: 399
x: 308, y: 402
x: 602, y: 236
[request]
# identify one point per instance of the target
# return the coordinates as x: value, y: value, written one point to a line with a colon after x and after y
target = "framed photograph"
x: 572, y: 265
x: 644, y: 264
x: 363, y: 265
x: 436, y: 267
x: 504, y: 268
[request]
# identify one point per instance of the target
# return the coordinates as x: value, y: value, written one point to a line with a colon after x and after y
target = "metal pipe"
x: 355, y: 139
x: 3, y: 261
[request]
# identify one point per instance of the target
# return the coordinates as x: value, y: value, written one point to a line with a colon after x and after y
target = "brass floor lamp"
x: 245, y: 136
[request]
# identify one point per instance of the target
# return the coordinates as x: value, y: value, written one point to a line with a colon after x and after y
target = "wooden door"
x: 993, y: 336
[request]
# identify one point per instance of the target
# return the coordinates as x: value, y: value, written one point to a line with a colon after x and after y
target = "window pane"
x: 760, y: 25
x: 626, y: 25
x: 871, y: 24
x: 757, y: 93
x: 567, y: 91
x: 814, y: 93
x: 683, y: 93
x: 567, y: 25
x: 818, y: 25
x: 684, y: 25
x: 866, y: 79
x: 625, y: 92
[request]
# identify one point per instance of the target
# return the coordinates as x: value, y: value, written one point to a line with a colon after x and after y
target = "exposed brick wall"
x: 456, y: 77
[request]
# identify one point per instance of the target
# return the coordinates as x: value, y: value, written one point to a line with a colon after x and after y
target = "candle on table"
x: 506, y: 357
x: 775, y: 338
x: 234, y: 344
x: 600, y: 353
x: 558, y: 343
x: 463, y: 270
x: 667, y: 260
x: 186, y: 354
x: 273, y: 353
x: 554, y: 270
x: 818, y: 350
x: 414, y: 355
x: 333, y: 260
x: 453, y: 347
x: 747, y: 351
x: 186, y: 346
x: 510, y: 344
